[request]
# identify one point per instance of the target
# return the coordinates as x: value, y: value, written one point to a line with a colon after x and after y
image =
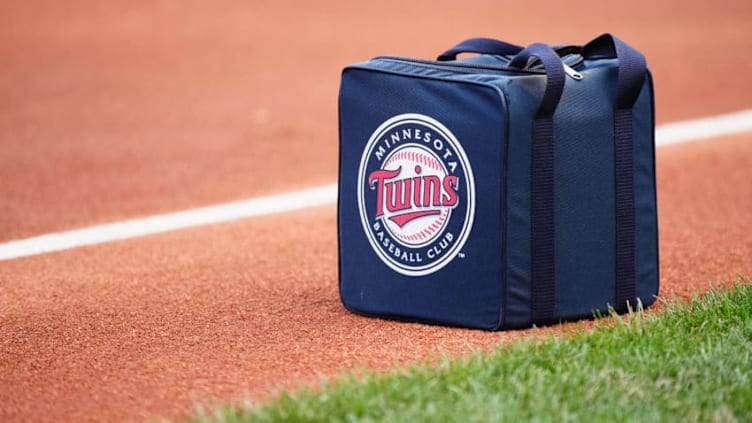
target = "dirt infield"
x: 124, y: 109
x: 117, y: 111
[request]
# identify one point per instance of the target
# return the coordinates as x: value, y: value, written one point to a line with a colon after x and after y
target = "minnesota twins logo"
x: 416, y: 194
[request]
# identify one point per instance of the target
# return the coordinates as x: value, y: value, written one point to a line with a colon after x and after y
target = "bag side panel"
x: 584, y: 199
x: 585, y: 195
x: 523, y: 97
x: 646, y: 213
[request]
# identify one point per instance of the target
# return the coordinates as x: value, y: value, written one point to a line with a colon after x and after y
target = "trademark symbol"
x: 461, y: 255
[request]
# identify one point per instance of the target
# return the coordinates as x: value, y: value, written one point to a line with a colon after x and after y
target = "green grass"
x: 688, y: 362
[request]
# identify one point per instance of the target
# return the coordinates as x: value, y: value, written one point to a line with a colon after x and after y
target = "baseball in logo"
x: 416, y: 194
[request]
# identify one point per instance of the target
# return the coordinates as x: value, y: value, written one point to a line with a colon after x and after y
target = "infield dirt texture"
x: 116, y: 110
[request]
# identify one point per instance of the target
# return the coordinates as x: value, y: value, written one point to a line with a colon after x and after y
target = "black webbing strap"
x: 542, y: 220
x: 542, y: 183
x: 631, y: 76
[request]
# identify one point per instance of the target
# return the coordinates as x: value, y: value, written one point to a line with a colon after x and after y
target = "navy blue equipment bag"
x: 513, y: 188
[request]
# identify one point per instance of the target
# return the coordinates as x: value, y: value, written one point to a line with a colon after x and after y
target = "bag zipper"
x: 572, y: 73
x: 456, y: 66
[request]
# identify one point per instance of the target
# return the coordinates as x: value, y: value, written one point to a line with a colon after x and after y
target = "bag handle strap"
x: 498, y: 48
x: 631, y: 77
x: 632, y: 66
x: 542, y: 180
x: 480, y: 46
x: 554, y: 74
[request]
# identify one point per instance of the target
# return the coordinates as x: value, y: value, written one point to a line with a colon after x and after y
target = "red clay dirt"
x: 148, y: 327
x: 119, y: 110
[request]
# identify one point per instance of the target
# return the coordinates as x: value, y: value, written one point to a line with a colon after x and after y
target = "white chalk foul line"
x: 704, y: 128
x: 132, y: 228
x: 672, y: 133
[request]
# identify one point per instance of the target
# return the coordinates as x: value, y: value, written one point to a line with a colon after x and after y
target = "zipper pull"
x: 572, y: 73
